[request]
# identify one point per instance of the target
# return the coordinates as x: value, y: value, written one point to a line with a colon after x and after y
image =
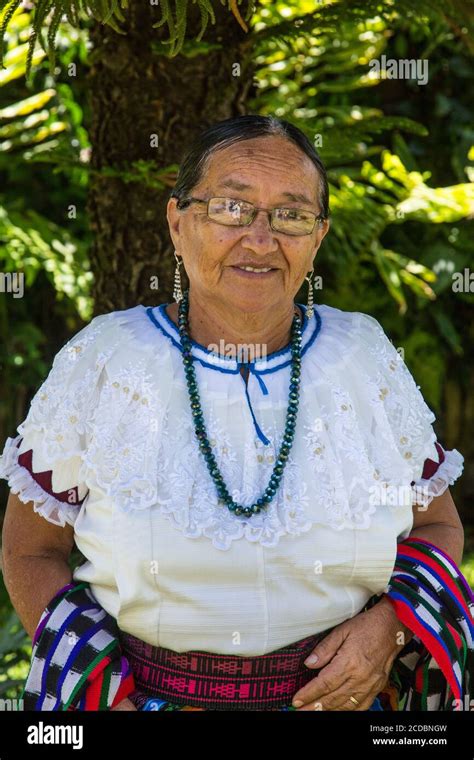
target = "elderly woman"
x: 255, y: 484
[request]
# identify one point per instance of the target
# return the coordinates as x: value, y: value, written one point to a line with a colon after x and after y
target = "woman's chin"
x: 247, y: 293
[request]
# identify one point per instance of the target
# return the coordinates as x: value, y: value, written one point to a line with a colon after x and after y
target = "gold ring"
x: 353, y: 699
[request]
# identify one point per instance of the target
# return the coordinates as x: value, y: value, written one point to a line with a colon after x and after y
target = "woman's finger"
x: 367, y: 683
x: 322, y: 692
x: 332, y: 677
x: 364, y: 690
x: 340, y: 701
x: 326, y: 649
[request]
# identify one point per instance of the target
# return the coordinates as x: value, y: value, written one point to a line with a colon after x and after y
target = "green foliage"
x: 49, y: 14
x: 33, y: 244
x: 15, y: 649
x: 144, y: 172
x: 32, y: 130
x: 41, y: 239
x: 467, y: 566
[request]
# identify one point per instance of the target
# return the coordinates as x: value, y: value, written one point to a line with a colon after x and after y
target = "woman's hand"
x: 355, y: 659
x: 125, y: 704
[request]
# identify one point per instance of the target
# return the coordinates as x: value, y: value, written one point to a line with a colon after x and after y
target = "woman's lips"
x: 254, y: 275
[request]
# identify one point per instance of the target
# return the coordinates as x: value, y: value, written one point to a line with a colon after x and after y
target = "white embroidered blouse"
x: 108, y: 446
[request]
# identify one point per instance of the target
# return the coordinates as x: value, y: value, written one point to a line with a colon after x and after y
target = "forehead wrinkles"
x: 243, y: 160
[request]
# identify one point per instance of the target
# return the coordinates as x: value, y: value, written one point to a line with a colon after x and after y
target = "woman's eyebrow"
x: 234, y: 184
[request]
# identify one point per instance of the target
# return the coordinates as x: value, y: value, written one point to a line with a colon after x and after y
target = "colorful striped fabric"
x: 435, y: 671
x: 80, y: 659
x: 76, y: 661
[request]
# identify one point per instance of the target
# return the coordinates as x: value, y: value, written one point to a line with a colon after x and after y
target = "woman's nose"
x: 260, y: 229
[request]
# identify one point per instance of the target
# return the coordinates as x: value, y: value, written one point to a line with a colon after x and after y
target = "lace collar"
x: 218, y: 361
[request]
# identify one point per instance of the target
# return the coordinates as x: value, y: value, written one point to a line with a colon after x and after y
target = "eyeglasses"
x: 236, y: 213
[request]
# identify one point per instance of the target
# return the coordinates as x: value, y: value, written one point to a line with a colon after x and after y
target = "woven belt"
x: 219, y: 681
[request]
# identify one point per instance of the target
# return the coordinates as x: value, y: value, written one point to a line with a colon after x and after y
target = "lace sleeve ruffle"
x: 446, y: 473
x: 57, y: 507
x: 409, y: 417
x: 43, y: 463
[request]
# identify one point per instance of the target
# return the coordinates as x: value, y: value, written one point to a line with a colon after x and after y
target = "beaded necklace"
x: 200, y: 429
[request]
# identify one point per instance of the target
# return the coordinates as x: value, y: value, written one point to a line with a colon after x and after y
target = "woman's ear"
x: 324, y: 227
x: 173, y: 216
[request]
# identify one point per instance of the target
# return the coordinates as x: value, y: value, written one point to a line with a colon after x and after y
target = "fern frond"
x: 235, y: 11
x: 6, y: 20
x: 40, y: 13
x: 110, y: 12
x: 53, y: 28
x: 71, y: 11
x: 106, y: 12
x: 206, y: 10
x: 177, y: 19
x: 166, y: 17
x: 181, y: 22
x: 177, y: 24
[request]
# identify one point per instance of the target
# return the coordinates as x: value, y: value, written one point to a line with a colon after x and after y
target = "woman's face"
x: 261, y: 171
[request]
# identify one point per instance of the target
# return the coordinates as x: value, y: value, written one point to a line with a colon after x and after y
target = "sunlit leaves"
x: 31, y: 243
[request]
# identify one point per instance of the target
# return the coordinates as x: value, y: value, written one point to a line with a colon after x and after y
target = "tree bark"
x: 135, y: 93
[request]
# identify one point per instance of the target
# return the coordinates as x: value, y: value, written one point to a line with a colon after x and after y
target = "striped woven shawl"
x: 76, y: 659
x: 435, y: 671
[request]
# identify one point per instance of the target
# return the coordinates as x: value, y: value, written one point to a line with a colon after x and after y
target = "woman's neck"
x: 210, y: 328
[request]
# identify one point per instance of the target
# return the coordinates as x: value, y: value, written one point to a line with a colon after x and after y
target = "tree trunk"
x: 137, y: 93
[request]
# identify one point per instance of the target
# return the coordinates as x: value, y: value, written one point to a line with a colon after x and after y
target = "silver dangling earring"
x: 310, y: 305
x: 177, y: 292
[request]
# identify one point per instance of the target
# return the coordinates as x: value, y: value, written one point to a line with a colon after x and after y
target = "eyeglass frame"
x: 256, y: 209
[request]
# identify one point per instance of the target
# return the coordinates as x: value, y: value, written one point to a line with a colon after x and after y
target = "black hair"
x: 225, y: 133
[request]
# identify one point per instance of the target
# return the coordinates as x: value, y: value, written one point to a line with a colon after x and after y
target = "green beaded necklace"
x: 200, y: 429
